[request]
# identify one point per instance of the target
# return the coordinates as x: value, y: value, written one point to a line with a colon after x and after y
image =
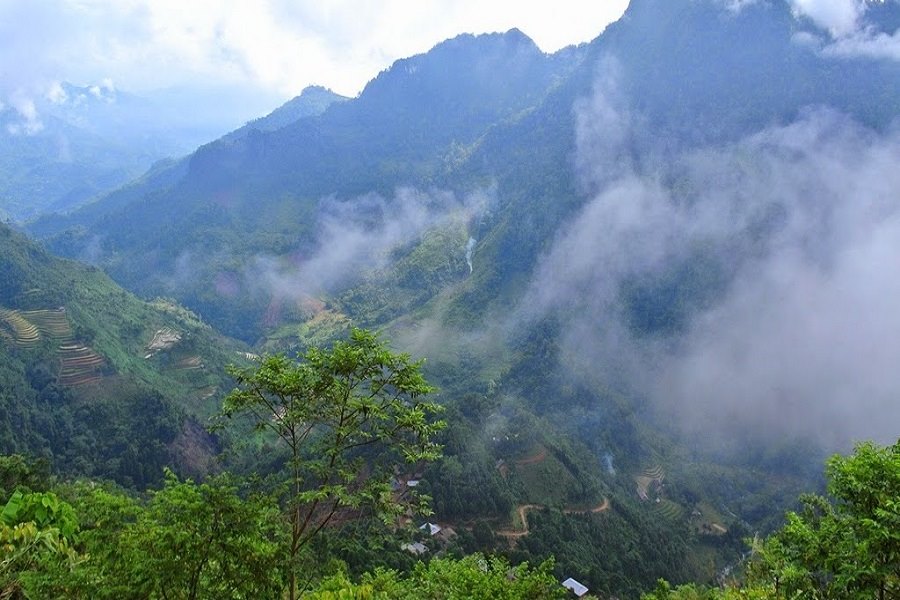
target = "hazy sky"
x: 279, y: 46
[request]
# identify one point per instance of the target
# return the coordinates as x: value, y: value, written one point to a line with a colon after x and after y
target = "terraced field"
x: 22, y: 332
x: 52, y: 323
x: 669, y: 510
x: 79, y: 365
x: 646, y: 479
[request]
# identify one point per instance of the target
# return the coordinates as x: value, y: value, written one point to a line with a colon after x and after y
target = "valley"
x: 649, y: 277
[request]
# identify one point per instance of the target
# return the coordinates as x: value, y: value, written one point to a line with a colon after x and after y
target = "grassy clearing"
x: 706, y: 520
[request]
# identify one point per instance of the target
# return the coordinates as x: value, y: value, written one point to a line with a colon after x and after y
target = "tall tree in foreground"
x: 346, y: 415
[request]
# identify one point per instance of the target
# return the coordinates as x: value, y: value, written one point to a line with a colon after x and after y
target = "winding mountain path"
x: 523, y: 510
x: 603, y: 506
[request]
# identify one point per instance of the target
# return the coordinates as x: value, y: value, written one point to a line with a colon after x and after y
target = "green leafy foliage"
x: 664, y: 591
x: 21, y: 472
x: 188, y: 541
x: 36, y: 533
x: 475, y: 577
x: 848, y: 545
x: 204, y: 541
x: 347, y: 415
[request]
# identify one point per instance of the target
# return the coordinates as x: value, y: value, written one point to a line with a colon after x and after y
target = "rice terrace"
x: 78, y: 364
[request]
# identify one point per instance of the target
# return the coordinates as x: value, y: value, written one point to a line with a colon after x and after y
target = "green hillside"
x: 94, y: 379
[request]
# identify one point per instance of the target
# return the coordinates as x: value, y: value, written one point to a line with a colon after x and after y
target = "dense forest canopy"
x: 228, y: 538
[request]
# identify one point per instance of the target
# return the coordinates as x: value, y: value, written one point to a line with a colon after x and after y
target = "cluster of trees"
x: 321, y: 523
x: 222, y: 539
x: 474, y: 577
x: 621, y: 552
x: 210, y: 540
x: 343, y: 417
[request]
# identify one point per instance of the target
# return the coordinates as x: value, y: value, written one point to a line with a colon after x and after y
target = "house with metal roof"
x: 575, y: 587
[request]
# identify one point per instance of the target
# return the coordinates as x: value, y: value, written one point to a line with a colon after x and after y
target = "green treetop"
x: 346, y: 415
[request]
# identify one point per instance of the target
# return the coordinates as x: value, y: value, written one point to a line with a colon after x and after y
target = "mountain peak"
x: 516, y: 34
x: 63, y: 92
x: 313, y: 90
x: 312, y: 102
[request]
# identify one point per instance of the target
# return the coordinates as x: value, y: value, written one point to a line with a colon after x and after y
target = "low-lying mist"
x: 358, y: 236
x: 745, y: 288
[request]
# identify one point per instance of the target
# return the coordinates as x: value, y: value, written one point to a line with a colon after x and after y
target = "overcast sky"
x: 277, y: 46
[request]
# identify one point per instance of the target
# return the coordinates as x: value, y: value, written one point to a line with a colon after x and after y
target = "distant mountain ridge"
x: 71, y: 144
x: 478, y: 110
x: 312, y: 102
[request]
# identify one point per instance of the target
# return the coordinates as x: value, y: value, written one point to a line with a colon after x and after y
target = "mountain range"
x: 481, y: 112
x: 623, y: 261
x: 71, y: 144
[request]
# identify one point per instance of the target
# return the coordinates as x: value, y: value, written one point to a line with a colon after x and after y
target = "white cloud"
x: 358, y: 236
x: 29, y: 121
x: 736, y: 6
x: 56, y: 94
x: 279, y: 45
x: 844, y: 22
x: 867, y: 44
x: 838, y: 17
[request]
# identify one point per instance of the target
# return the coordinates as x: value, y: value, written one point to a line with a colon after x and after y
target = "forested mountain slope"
x: 97, y: 381
x: 409, y: 125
